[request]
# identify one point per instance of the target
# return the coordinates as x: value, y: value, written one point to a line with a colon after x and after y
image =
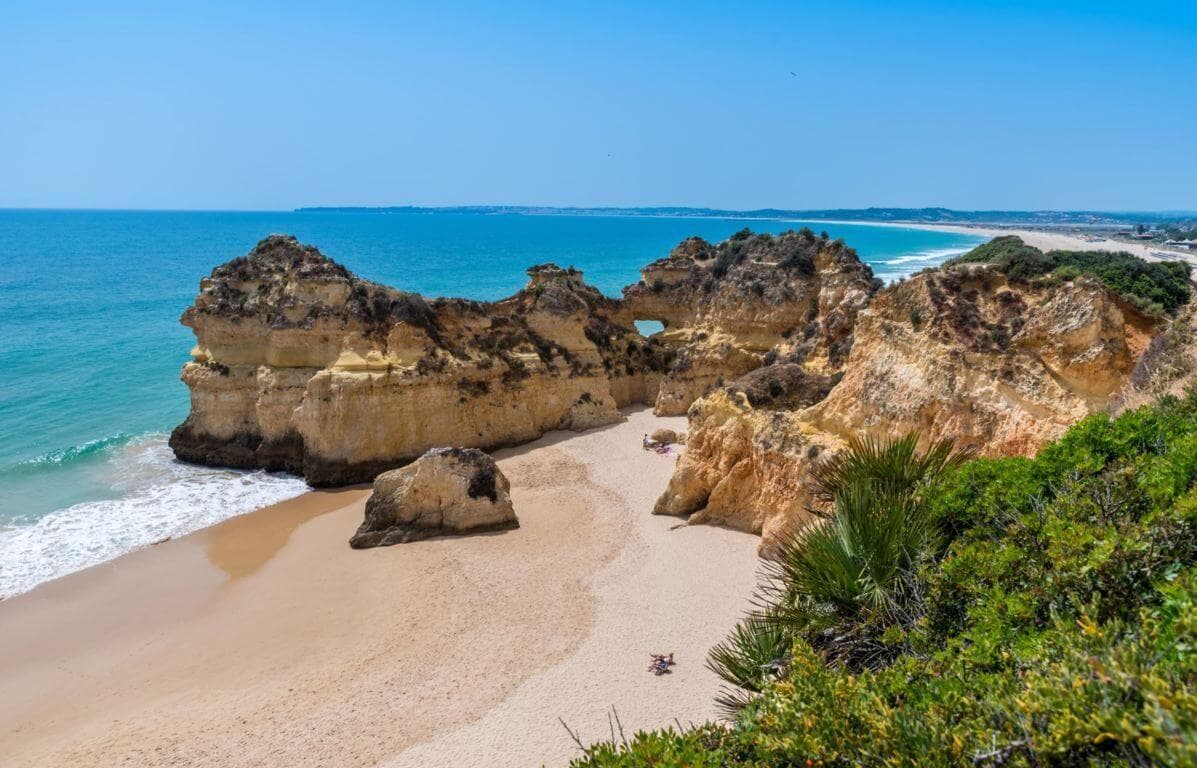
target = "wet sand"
x: 266, y: 640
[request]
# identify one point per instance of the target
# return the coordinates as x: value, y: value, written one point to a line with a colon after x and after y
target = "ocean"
x: 91, y: 346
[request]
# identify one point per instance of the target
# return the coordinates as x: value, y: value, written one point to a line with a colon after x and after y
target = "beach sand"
x: 1063, y: 241
x: 266, y: 640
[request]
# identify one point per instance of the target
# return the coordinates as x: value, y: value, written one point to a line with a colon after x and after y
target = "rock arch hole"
x: 649, y: 327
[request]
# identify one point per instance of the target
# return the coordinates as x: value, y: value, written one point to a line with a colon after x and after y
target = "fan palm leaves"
x: 890, y: 467
x: 843, y: 581
x: 755, y: 653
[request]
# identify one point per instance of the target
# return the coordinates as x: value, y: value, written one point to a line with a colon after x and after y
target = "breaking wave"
x: 157, y: 498
x: 903, y: 266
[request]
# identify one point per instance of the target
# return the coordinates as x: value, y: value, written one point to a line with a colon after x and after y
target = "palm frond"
x: 731, y: 701
x: 753, y: 655
x: 891, y: 466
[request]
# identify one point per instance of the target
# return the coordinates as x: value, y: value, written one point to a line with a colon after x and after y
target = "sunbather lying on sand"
x: 660, y: 664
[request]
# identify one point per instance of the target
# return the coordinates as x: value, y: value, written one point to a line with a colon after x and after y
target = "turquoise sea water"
x: 91, y: 347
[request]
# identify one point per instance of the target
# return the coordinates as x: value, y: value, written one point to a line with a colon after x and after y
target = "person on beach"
x: 660, y: 664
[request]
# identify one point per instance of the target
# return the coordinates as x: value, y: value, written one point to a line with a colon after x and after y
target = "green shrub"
x: 1068, y: 272
x: 708, y: 746
x: 749, y: 660
x: 1153, y: 287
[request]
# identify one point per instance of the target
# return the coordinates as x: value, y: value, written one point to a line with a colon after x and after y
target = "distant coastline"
x: 844, y: 215
x: 1046, y: 230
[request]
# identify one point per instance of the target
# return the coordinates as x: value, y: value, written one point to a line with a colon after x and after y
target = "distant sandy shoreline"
x: 1041, y: 239
x: 266, y: 640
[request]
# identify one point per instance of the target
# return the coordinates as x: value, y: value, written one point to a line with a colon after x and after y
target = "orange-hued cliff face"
x: 955, y: 353
x: 780, y: 348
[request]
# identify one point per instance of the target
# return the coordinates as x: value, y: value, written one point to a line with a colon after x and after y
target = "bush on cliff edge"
x: 1153, y: 287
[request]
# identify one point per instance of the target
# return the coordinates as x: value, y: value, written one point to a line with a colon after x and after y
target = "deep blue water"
x: 91, y: 347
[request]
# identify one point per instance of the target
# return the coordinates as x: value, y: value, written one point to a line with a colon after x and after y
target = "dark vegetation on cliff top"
x: 793, y: 251
x: 1014, y: 612
x: 782, y: 386
x: 279, y: 257
x: 748, y: 261
x: 1153, y: 287
x: 254, y: 286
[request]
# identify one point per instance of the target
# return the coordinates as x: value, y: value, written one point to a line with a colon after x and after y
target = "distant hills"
x: 905, y: 215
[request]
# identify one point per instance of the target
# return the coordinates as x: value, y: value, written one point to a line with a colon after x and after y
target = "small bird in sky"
x: 793, y: 74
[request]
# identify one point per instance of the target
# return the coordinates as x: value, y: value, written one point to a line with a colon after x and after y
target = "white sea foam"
x: 933, y: 255
x: 903, y: 266
x: 158, y: 498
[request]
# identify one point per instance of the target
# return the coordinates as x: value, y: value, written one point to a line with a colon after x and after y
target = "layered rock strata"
x: 446, y: 492
x: 301, y: 366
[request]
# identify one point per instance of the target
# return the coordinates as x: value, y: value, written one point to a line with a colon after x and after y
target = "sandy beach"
x: 266, y: 640
x: 1047, y: 241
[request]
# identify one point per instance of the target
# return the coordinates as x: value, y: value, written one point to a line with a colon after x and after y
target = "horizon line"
x: 518, y: 208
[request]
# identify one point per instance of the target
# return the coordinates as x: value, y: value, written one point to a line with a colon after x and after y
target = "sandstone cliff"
x: 301, y: 366
x: 728, y: 308
x: 959, y: 352
x: 780, y: 347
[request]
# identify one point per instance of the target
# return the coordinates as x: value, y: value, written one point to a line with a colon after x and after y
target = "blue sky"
x: 968, y: 105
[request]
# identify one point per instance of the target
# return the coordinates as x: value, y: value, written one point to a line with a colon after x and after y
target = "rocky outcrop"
x: 301, y: 366
x: 1002, y: 368
x: 779, y: 347
x: 960, y: 353
x: 729, y: 308
x: 744, y: 468
x: 446, y: 492
x: 665, y: 437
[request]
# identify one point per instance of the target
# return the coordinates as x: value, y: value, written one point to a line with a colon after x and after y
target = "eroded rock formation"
x: 780, y: 348
x: 301, y: 366
x: 445, y: 492
x: 727, y: 307
x: 959, y: 352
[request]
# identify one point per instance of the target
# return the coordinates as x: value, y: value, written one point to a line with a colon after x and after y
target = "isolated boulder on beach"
x: 665, y: 437
x: 446, y: 492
